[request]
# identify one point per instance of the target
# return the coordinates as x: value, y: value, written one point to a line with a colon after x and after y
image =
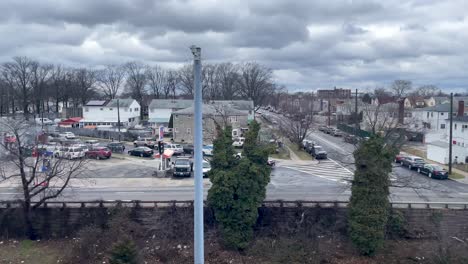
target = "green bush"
x: 238, y: 187
x: 124, y: 252
x: 369, y: 205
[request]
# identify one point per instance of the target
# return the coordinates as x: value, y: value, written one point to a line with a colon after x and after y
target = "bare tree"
x: 19, y: 74
x: 40, y: 176
x: 172, y: 82
x: 401, y: 88
x: 210, y: 85
x: 157, y: 80
x: 185, y: 75
x: 84, y: 85
x: 111, y: 79
x: 136, y: 81
x: 227, y: 75
x: 427, y: 90
x: 256, y: 83
x: 40, y: 78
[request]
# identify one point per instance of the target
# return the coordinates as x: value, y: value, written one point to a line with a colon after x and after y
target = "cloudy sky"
x: 309, y: 44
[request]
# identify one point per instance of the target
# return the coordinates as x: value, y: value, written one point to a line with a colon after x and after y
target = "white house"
x: 105, y: 113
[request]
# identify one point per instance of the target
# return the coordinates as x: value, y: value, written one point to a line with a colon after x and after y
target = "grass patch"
x: 27, y: 251
x: 456, y: 176
x: 415, y: 152
x: 300, y: 153
x: 283, y: 154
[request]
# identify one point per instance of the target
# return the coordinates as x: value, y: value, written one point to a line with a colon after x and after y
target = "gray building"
x: 221, y: 114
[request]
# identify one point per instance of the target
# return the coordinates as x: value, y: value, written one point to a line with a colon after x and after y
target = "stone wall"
x: 175, y: 220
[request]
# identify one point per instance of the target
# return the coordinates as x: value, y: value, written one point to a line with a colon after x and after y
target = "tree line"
x: 32, y: 87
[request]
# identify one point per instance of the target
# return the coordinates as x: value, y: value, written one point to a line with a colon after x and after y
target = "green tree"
x: 369, y: 205
x: 124, y: 252
x: 239, y: 187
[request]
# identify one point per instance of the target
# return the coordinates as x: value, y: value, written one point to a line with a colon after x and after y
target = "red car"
x: 99, y: 153
x: 400, y: 157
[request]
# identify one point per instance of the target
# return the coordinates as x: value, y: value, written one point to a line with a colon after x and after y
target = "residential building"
x: 221, y: 114
x: 336, y: 93
x: 242, y: 105
x: 97, y: 113
x: 160, y: 110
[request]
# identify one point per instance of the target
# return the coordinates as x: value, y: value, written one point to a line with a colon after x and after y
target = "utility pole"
x: 450, y: 134
x: 118, y: 117
x: 198, y: 157
x: 356, y: 119
x: 329, y: 109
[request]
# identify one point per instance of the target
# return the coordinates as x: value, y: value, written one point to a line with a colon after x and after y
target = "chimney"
x: 401, y: 111
x: 461, y: 108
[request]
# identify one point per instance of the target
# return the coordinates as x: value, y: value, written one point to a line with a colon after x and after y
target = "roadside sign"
x: 161, y: 132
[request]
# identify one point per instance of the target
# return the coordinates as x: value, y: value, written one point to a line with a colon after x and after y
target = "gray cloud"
x: 309, y: 44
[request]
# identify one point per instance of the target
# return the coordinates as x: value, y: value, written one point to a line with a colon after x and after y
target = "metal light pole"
x: 198, y: 156
x: 118, y: 117
x: 450, y: 135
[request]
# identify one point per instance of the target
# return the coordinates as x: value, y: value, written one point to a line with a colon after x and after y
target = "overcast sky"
x: 309, y: 44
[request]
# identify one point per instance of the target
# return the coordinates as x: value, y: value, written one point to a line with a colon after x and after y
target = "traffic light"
x: 161, y: 147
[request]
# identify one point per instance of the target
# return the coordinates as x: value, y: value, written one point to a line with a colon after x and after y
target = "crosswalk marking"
x: 325, y: 169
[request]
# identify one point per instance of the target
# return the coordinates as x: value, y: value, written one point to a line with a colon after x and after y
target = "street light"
x: 198, y: 156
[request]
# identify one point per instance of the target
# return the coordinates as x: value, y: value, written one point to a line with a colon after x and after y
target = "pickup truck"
x: 182, y: 167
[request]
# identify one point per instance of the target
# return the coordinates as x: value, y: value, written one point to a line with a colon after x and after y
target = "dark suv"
x: 182, y: 167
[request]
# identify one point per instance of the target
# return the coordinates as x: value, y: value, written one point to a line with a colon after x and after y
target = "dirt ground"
x: 323, y: 250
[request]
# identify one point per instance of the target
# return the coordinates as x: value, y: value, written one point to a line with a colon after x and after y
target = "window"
x: 130, y: 109
x: 432, y: 114
x: 442, y: 126
x: 86, y: 109
x: 136, y: 109
x: 189, y: 130
x: 110, y: 108
x: 455, y: 126
x: 441, y: 114
x: 427, y: 114
x: 102, y: 109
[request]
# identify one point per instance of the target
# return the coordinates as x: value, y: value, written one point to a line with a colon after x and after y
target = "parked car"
x: 400, y: 157
x: 182, y: 167
x: 98, y: 153
x: 206, y: 167
x: 434, y: 171
x: 69, y: 153
x: 177, y: 148
x: 118, y: 147
x: 238, y: 142
x: 145, y: 142
x: 92, y: 143
x: 413, y: 162
x: 323, y: 128
x: 45, y: 121
x: 67, y: 135
x: 318, y: 152
x: 141, y: 152
x: 207, y: 150
x: 336, y: 132
x: 306, y: 143
x: 352, y: 139
x: 188, y: 149
x: 271, y: 163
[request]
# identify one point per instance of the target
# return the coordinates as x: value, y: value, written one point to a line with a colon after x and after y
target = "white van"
x: 70, y: 153
x: 45, y: 121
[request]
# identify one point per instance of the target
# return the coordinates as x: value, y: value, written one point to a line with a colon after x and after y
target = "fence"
x: 95, y: 133
x: 352, y: 130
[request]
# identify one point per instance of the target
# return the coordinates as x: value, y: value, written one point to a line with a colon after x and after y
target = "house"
x: 160, y: 110
x: 97, y: 113
x: 437, y: 150
x: 221, y: 114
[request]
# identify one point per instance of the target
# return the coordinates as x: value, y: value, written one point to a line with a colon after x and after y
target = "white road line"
x: 341, y: 165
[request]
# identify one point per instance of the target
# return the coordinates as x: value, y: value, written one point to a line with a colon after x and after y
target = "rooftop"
x: 209, y: 109
x: 122, y: 102
x: 96, y: 103
x: 170, y: 103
